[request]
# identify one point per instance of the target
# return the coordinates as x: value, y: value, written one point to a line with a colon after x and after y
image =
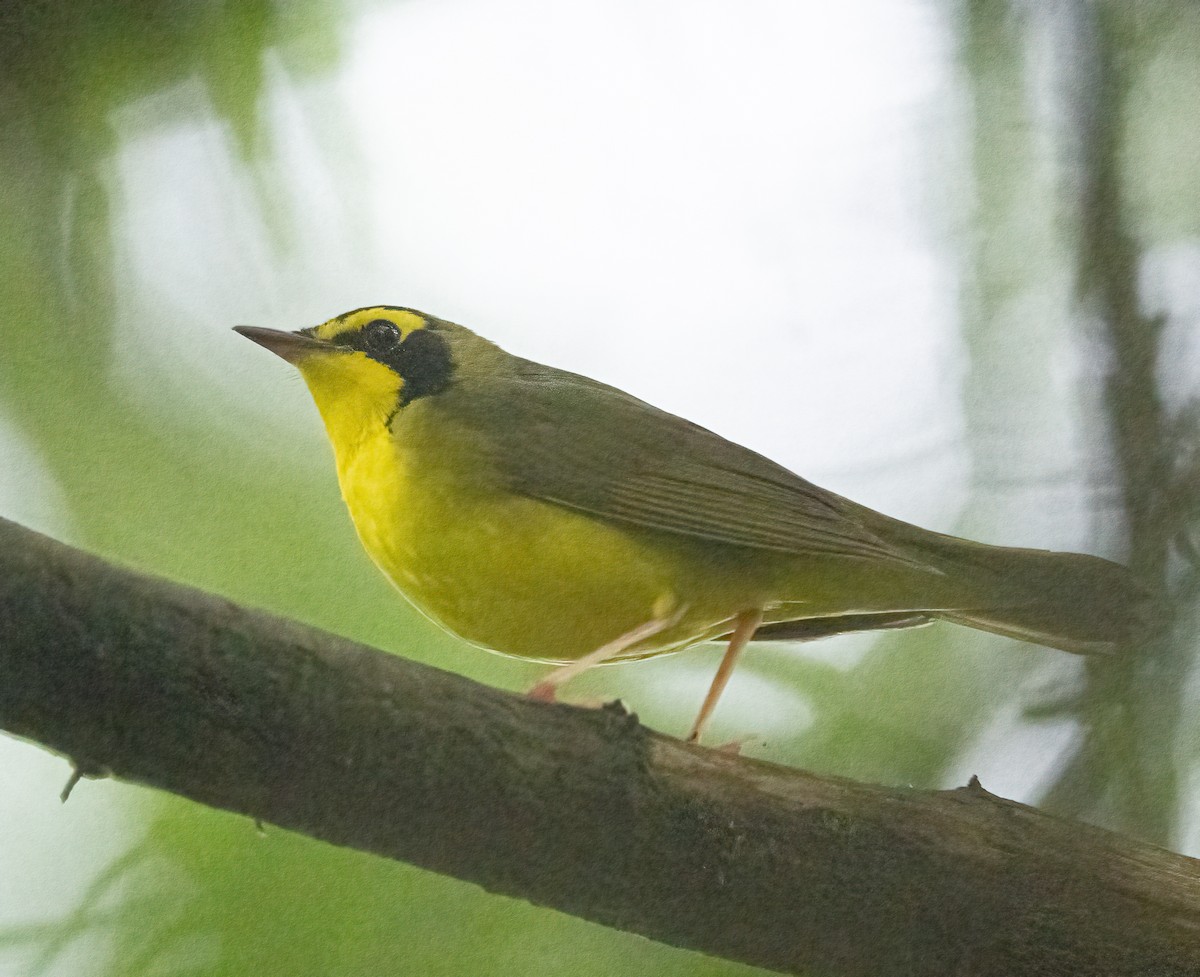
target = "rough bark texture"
x: 582, y: 810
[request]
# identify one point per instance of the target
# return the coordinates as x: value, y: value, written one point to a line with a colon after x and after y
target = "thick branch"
x: 583, y: 810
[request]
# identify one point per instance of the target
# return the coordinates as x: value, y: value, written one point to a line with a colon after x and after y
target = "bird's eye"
x: 380, y: 335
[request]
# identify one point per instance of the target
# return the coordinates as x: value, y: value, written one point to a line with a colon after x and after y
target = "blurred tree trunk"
x: 1051, y: 85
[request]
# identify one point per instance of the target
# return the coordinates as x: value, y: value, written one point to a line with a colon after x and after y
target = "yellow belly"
x: 517, y: 575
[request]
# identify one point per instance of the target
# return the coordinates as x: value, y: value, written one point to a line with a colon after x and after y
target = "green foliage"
x: 206, y: 893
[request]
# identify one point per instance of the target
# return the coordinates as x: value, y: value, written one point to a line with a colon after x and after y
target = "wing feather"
x: 577, y: 443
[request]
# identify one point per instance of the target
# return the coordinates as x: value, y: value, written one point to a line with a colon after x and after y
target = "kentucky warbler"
x: 548, y: 516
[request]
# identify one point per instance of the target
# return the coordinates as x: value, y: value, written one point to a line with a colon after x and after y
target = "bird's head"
x: 364, y: 367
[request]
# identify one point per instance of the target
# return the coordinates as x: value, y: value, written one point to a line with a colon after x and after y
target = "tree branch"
x: 583, y: 810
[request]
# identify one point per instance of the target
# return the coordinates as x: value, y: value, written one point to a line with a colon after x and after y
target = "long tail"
x: 1082, y: 604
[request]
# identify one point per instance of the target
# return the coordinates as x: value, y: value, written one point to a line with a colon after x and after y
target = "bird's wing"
x: 565, y: 439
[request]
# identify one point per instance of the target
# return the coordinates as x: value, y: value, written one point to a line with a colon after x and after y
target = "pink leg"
x: 546, y: 689
x: 747, y: 624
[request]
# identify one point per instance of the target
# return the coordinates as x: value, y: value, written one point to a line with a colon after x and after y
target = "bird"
x: 549, y: 516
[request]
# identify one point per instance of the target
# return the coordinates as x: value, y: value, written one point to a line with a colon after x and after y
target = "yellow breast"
x: 505, y: 572
x: 502, y: 568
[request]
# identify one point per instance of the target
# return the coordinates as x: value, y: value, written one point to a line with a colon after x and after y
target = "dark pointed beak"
x: 292, y: 346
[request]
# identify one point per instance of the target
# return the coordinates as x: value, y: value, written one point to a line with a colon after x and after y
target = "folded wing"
x: 590, y: 447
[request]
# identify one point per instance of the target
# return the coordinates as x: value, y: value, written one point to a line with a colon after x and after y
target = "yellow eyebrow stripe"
x: 406, y: 319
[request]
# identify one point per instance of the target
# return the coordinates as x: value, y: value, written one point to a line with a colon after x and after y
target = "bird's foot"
x: 548, y: 692
x: 546, y: 689
x: 543, y: 692
x: 733, y: 747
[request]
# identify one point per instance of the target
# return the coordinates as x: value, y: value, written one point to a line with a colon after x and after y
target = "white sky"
x: 730, y: 210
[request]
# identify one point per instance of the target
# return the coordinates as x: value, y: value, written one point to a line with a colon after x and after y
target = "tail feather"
x: 813, y: 628
x: 1078, y: 603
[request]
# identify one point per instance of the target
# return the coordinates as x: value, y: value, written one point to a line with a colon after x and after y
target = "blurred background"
x: 943, y: 258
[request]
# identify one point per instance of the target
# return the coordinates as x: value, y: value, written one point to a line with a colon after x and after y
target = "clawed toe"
x: 732, y: 748
x: 548, y: 692
x: 543, y: 692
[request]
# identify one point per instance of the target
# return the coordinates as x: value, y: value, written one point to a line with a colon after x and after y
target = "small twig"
x: 76, y: 776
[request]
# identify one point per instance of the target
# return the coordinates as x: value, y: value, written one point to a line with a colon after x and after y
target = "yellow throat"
x: 354, y: 393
